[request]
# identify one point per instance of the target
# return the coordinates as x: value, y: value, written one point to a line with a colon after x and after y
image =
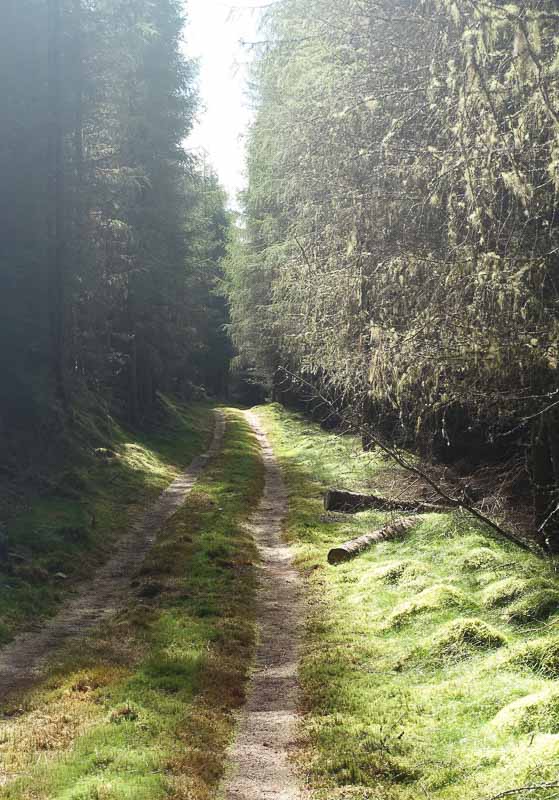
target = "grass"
x: 144, y: 709
x: 462, y: 638
x: 64, y: 531
x: 430, y: 662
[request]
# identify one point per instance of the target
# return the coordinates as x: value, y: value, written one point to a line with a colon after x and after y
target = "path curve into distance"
x: 25, y: 659
x: 259, y: 761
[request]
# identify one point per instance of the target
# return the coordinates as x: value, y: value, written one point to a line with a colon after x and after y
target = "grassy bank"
x: 144, y: 709
x: 57, y: 533
x: 431, y: 664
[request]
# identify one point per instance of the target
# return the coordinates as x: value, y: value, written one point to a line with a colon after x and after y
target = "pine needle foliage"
x: 400, y: 248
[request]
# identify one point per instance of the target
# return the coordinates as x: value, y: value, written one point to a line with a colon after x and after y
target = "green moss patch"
x: 434, y: 598
x: 502, y: 592
x: 534, y: 713
x: 533, y: 607
x: 402, y: 572
x: 368, y: 755
x: 464, y: 637
x: 540, y: 655
x: 64, y: 532
x: 391, y: 573
x: 481, y: 558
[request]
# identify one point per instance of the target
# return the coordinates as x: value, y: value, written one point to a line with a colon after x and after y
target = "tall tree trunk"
x: 56, y: 196
x: 79, y: 175
x: 133, y: 399
x: 544, y: 482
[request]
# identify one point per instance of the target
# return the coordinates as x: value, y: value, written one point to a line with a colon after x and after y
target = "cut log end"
x: 338, y: 555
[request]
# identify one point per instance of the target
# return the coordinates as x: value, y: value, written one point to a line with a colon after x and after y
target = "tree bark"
x: 78, y: 237
x: 544, y: 481
x: 352, y: 502
x: 133, y: 401
x: 56, y: 194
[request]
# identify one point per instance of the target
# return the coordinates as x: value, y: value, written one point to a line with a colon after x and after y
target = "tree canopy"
x: 112, y: 233
x: 401, y: 240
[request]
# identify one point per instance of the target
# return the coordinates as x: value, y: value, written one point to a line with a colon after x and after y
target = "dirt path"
x: 26, y: 658
x: 259, y: 760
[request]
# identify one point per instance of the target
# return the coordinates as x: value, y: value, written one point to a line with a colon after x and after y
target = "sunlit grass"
x: 69, y: 529
x: 429, y: 662
x: 144, y: 709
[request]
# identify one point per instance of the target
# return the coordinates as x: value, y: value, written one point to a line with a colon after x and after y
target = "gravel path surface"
x: 259, y: 761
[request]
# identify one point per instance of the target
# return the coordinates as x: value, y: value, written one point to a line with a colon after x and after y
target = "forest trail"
x: 25, y: 659
x: 259, y: 761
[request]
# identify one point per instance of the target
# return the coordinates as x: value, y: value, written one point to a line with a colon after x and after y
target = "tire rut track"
x: 25, y: 660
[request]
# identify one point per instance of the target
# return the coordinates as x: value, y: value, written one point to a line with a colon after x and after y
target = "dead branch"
x: 534, y: 788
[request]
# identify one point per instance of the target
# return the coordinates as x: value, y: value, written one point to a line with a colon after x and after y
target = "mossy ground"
x: 414, y: 649
x: 143, y: 710
x: 70, y: 527
x: 455, y: 700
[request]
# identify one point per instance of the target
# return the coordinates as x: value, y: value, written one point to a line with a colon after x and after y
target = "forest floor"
x: 429, y: 664
x: 62, y: 517
x: 27, y: 657
x: 425, y: 668
x: 141, y: 706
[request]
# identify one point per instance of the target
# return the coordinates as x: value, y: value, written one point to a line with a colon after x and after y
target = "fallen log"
x: 352, y: 502
x: 355, y: 546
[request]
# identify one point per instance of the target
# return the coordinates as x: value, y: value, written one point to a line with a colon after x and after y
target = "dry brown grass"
x: 50, y: 723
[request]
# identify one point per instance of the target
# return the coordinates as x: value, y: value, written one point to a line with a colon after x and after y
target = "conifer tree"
x: 101, y: 237
x: 401, y: 223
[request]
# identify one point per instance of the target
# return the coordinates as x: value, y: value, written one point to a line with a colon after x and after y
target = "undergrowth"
x: 430, y: 662
x: 144, y: 709
x: 61, y: 530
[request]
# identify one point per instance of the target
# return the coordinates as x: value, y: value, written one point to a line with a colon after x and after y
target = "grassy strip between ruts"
x: 431, y: 663
x: 107, y: 475
x: 143, y: 710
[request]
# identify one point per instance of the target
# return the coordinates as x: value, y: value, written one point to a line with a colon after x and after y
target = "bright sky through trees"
x: 214, y: 36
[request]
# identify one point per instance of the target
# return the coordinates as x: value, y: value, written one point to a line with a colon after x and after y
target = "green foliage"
x: 458, y: 703
x: 400, y: 223
x: 112, y: 233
